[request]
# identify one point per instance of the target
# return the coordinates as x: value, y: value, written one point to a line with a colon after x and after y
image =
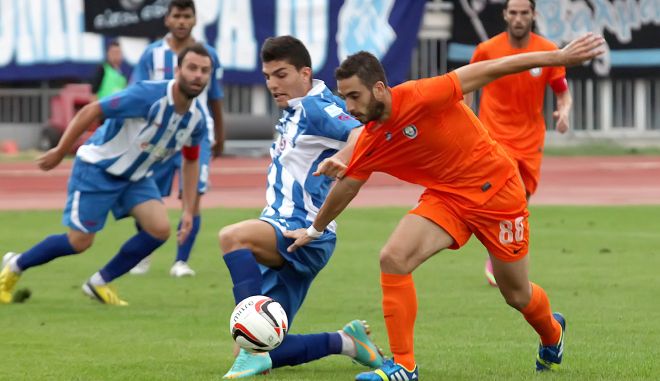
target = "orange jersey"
x: 512, y: 107
x: 432, y: 139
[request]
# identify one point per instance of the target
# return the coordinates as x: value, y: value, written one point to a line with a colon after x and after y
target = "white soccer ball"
x: 258, y: 324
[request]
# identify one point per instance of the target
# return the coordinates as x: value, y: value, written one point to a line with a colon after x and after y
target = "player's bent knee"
x: 394, y: 260
x: 229, y: 239
x: 80, y: 241
x: 161, y: 232
x: 158, y: 231
x: 517, y: 300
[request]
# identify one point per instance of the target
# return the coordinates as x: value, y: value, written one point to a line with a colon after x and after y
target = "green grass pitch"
x: 599, y: 265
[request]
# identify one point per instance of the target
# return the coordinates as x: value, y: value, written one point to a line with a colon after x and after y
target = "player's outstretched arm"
x: 476, y: 75
x: 338, y: 199
x: 78, y: 125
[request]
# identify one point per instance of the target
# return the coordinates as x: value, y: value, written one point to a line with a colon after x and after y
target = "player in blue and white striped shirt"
x: 159, y: 61
x: 146, y: 123
x: 313, y: 127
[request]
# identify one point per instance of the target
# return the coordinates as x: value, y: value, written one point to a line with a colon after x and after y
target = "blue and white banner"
x: 45, y: 39
x: 630, y: 27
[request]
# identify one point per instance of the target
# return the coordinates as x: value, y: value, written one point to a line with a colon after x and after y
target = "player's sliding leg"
x: 245, y: 273
x: 152, y: 217
x: 237, y: 243
x: 248, y: 364
x: 360, y: 346
x: 241, y: 244
x: 50, y: 248
x: 353, y: 341
x: 250, y: 243
x: 532, y: 301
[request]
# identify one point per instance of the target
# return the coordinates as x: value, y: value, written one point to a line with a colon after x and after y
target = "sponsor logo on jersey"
x: 159, y: 153
x: 333, y: 110
x: 115, y: 102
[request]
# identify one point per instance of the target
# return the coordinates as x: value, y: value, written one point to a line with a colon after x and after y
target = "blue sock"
x: 131, y: 253
x: 52, y: 247
x: 183, y: 251
x: 299, y: 349
x: 245, y: 273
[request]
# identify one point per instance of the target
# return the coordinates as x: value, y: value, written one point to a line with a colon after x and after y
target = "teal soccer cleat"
x: 368, y: 353
x: 550, y: 356
x: 249, y: 364
x: 390, y: 371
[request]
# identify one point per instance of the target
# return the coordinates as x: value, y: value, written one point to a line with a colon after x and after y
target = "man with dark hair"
x: 511, y: 108
x: 286, y: 48
x: 159, y: 62
x: 146, y: 124
x: 314, y: 126
x: 421, y: 132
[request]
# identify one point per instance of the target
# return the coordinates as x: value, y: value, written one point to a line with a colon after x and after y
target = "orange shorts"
x: 500, y: 224
x: 529, y: 167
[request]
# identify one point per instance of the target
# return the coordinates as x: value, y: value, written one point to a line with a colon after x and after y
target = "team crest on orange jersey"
x: 535, y: 72
x: 410, y: 131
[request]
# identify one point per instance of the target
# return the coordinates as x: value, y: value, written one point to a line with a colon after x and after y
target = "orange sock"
x: 400, y: 311
x: 539, y: 315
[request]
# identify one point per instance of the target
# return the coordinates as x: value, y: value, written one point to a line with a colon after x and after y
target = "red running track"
x: 240, y: 182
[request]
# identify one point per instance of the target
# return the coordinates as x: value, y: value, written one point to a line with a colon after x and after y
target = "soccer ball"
x: 258, y: 324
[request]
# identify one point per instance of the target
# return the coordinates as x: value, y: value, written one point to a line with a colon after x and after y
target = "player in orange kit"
x: 421, y: 132
x: 511, y: 107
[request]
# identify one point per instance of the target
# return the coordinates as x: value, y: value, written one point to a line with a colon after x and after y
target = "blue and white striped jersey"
x: 141, y: 129
x: 159, y: 62
x: 311, y: 129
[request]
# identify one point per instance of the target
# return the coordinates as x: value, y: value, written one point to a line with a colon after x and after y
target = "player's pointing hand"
x: 300, y: 236
x: 331, y: 167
